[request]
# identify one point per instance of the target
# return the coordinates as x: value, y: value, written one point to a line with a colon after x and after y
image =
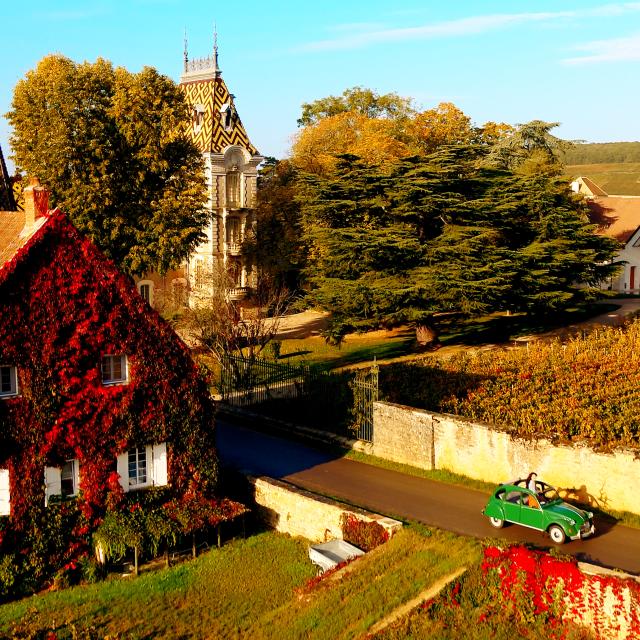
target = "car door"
x: 531, y: 513
x: 512, y: 506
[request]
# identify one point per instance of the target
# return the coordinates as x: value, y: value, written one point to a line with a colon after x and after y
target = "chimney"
x: 36, y: 203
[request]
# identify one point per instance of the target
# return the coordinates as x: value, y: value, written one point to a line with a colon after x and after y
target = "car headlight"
x: 589, y: 515
x: 573, y: 523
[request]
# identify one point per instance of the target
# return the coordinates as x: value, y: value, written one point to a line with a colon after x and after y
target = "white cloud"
x: 612, y: 50
x: 363, y: 35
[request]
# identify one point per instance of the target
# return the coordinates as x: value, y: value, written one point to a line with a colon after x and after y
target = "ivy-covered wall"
x: 63, y: 305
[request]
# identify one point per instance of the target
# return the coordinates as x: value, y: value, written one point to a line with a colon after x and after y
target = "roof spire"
x: 186, y: 54
x: 216, y: 69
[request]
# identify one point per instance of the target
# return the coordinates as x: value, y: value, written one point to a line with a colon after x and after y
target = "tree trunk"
x: 219, y: 537
x: 427, y: 335
x: 194, y: 551
x: 135, y: 561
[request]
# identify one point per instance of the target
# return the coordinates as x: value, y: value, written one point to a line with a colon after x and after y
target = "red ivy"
x: 63, y: 306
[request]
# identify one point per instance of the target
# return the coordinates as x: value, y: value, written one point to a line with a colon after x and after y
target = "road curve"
x: 433, y: 503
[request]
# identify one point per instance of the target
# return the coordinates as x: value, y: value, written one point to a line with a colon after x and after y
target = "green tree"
x: 357, y: 100
x: 444, y: 234
x: 111, y: 147
x: 277, y: 246
x: 531, y: 147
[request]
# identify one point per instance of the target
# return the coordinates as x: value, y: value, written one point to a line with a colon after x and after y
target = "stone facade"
x: 440, y: 441
x: 291, y: 510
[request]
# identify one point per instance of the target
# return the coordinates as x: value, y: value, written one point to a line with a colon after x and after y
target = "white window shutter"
x: 52, y: 483
x: 160, y: 464
x: 5, y: 495
x: 123, y: 470
x: 76, y: 476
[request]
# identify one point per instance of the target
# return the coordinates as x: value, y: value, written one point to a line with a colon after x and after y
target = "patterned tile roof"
x: 216, y: 124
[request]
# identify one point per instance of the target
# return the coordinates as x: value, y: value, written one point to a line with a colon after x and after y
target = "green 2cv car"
x: 542, y: 509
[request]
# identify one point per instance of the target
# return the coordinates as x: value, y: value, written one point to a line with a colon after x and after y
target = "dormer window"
x: 228, y: 115
x: 8, y: 381
x: 198, y: 117
x: 114, y: 369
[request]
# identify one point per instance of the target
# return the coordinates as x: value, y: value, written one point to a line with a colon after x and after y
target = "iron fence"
x: 335, y: 402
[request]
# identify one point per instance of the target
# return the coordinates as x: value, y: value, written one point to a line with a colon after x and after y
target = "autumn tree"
x: 444, y: 234
x: 380, y: 128
x: 111, y: 147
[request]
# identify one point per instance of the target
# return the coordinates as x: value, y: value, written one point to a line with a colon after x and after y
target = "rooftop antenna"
x: 186, y: 54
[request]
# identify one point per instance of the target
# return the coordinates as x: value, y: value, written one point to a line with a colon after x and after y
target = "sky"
x: 573, y: 62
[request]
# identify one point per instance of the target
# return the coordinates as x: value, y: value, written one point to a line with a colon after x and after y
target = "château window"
x: 179, y: 292
x: 114, y: 369
x: 145, y: 289
x: 8, y: 381
x: 198, y: 117
x: 233, y: 188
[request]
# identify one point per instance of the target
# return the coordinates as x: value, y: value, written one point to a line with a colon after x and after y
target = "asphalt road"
x: 389, y: 492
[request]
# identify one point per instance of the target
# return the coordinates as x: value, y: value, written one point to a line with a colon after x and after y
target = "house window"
x: 145, y: 289
x: 137, y: 466
x: 143, y: 467
x: 61, y: 482
x: 114, y: 369
x: 68, y: 477
x: 8, y: 381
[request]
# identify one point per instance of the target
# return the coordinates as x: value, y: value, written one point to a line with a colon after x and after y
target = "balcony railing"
x: 238, y: 293
x: 233, y: 248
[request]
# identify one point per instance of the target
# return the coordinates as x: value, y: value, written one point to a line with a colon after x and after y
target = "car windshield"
x: 548, y: 494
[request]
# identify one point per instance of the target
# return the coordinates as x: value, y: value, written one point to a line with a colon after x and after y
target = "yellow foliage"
x: 446, y: 124
x: 375, y: 140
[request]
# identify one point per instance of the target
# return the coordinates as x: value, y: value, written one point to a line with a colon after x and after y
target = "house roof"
x: 14, y: 233
x: 589, y: 187
x: 617, y: 217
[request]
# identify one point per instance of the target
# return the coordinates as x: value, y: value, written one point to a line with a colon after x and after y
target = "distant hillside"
x: 603, y: 152
x: 620, y: 179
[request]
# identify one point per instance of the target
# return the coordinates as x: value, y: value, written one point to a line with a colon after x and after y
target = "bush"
x: 9, y: 574
x: 361, y: 533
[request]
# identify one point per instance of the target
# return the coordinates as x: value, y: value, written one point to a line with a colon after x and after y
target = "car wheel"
x: 557, y: 534
x: 496, y: 523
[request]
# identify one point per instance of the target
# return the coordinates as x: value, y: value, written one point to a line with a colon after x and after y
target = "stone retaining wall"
x: 440, y: 441
x: 288, y: 509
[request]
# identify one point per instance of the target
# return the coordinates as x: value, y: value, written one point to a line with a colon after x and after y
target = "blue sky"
x: 577, y: 63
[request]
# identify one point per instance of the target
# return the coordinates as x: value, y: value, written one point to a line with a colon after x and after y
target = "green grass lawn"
x: 252, y: 588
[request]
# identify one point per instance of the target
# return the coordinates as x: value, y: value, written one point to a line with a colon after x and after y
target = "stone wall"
x: 439, y: 441
x: 291, y: 510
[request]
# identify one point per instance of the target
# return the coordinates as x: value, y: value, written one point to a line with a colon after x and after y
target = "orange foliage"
x: 375, y: 140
